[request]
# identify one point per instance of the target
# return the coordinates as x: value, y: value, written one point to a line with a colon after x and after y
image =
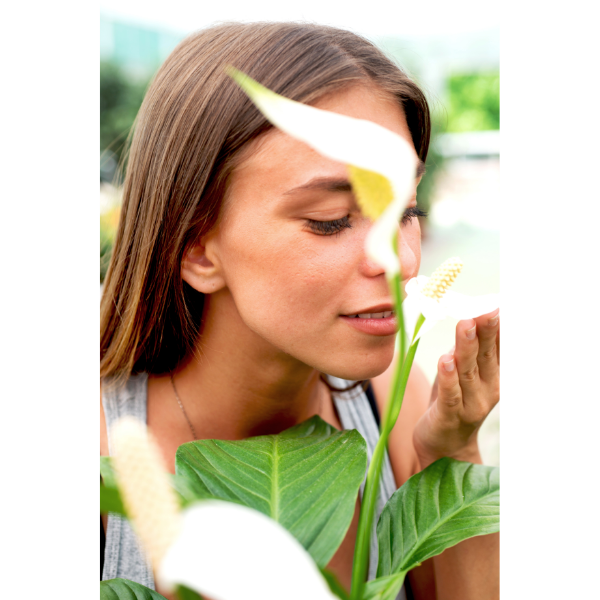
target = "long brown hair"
x: 190, y: 128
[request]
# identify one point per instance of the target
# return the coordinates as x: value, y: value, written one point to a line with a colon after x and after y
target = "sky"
x: 373, y: 18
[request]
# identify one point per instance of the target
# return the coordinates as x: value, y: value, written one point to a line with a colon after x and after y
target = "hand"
x: 464, y: 392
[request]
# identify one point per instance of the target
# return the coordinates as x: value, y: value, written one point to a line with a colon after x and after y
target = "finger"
x: 434, y: 389
x: 465, y: 354
x: 488, y: 327
x: 449, y: 396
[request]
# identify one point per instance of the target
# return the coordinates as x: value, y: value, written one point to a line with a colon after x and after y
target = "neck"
x: 237, y: 385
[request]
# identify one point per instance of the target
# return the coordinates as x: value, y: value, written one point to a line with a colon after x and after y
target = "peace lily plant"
x: 235, y: 520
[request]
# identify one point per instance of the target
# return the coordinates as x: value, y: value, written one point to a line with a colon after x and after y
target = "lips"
x: 378, y: 320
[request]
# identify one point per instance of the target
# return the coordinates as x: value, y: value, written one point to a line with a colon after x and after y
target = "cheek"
x: 284, y: 281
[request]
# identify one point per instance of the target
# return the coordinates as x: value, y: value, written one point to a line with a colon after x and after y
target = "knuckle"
x: 452, y: 398
x: 469, y: 375
x: 489, y: 355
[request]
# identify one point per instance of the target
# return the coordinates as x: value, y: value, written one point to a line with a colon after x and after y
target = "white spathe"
x: 229, y: 552
x: 452, y: 304
x: 356, y: 142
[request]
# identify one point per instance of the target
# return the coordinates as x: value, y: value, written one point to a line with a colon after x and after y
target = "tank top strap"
x: 355, y: 412
x: 123, y: 556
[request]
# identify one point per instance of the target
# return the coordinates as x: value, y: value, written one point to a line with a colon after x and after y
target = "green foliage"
x: 109, y: 222
x: 120, y: 99
x: 306, y: 478
x: 110, y: 498
x: 124, y: 589
x: 446, y: 503
x: 474, y: 102
x: 384, y: 588
x: 185, y: 593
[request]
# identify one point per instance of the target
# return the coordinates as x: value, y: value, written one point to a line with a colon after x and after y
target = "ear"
x: 200, y: 268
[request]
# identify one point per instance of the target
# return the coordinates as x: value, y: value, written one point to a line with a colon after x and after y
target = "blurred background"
x: 455, y: 59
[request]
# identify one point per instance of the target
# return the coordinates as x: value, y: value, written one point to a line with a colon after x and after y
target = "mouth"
x: 378, y: 320
x: 380, y: 311
x: 379, y: 315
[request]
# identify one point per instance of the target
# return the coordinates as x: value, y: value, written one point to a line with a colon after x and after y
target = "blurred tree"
x: 120, y: 98
x: 473, y: 102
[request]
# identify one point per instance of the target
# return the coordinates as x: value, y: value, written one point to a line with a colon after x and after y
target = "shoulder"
x: 403, y: 457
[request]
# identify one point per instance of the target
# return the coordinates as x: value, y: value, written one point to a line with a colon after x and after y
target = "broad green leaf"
x: 384, y: 588
x: 446, y: 503
x: 123, y: 589
x: 306, y: 478
x: 334, y: 585
x: 185, y: 593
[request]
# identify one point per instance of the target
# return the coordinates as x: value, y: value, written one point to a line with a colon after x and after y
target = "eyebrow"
x: 332, y: 184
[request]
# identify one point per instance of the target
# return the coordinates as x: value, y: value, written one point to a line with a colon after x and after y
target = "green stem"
x: 394, y: 404
x: 367, y: 510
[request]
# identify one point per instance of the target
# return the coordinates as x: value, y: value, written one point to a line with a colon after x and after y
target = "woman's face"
x: 290, y: 246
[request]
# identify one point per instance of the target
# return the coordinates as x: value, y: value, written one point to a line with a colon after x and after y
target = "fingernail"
x: 494, y: 321
x: 449, y: 366
x: 471, y: 333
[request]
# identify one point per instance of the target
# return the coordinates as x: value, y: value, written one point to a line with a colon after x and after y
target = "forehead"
x: 275, y: 161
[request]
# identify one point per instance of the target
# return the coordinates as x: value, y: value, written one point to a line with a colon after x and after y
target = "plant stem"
x: 394, y: 404
x: 367, y: 509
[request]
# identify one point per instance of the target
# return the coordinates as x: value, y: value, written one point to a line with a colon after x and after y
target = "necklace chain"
x: 188, y: 419
x: 183, y: 409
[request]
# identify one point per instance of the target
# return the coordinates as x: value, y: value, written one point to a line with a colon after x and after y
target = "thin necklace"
x: 183, y: 409
x: 188, y: 419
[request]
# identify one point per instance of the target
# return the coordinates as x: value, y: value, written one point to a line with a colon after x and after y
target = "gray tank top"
x: 123, y: 556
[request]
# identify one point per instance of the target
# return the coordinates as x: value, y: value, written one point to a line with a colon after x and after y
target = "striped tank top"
x: 122, y: 554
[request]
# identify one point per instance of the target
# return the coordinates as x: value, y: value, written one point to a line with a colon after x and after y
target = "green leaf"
x: 306, y: 478
x: 107, y: 472
x: 110, y: 501
x: 185, y: 593
x: 384, y: 588
x: 123, y: 589
x: 446, y: 503
x: 334, y: 585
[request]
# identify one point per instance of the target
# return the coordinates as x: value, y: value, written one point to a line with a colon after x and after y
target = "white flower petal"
x: 380, y: 241
x: 462, y: 307
x: 230, y: 552
x: 352, y: 141
x: 427, y: 325
x: 415, y: 284
x: 411, y: 309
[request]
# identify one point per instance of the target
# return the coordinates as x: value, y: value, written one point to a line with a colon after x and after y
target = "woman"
x: 239, y: 268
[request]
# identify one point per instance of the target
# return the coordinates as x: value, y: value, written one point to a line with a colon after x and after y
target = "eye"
x: 409, y: 213
x: 329, y: 227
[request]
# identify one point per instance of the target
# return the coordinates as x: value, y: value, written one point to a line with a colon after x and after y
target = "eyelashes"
x: 329, y: 227
x: 413, y: 211
x: 338, y: 225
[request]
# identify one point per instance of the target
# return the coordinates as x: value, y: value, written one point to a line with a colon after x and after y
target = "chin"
x: 362, y: 368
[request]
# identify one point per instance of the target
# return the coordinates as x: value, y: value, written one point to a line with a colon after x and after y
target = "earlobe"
x: 201, y: 271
